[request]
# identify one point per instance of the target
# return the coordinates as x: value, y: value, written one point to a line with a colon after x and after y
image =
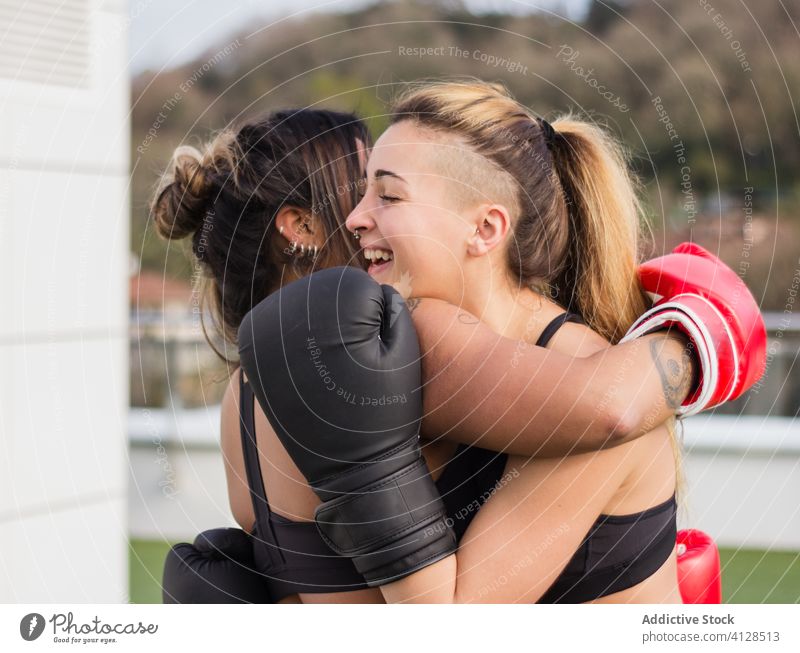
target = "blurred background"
x: 118, y: 85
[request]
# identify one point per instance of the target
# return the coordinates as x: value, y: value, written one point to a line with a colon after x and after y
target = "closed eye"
x: 389, y: 198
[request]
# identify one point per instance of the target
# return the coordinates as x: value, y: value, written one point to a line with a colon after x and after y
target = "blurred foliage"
x: 732, y: 109
x: 176, y: 373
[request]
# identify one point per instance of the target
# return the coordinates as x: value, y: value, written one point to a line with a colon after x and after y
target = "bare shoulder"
x: 447, y: 331
x: 645, y: 466
x: 578, y: 340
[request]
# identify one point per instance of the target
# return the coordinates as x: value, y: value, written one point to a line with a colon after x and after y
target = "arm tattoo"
x: 676, y: 375
x: 412, y: 303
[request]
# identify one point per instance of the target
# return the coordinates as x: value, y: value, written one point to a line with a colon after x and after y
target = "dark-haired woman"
x: 264, y: 204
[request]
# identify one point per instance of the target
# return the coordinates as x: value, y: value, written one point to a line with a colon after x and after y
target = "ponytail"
x: 599, y: 277
x: 603, y: 250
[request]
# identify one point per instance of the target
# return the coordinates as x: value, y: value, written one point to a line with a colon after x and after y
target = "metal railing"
x: 172, y: 366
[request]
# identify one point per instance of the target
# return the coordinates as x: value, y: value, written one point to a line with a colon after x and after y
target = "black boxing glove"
x: 218, y: 568
x: 333, y: 360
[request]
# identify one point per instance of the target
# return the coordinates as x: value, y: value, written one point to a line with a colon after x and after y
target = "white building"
x: 64, y: 159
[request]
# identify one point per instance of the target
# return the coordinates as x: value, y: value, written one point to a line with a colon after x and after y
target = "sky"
x: 167, y: 33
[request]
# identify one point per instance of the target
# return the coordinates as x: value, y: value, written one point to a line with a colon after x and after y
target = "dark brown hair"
x: 226, y: 198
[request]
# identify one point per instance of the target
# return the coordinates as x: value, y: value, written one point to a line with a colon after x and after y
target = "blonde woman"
x: 264, y: 205
x: 483, y: 205
x: 473, y: 202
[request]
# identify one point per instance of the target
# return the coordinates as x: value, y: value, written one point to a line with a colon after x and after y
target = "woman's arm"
x: 508, y: 395
x: 525, y: 534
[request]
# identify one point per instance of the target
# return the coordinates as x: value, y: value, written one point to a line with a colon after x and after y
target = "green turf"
x: 747, y: 576
x: 146, y: 565
x: 760, y: 577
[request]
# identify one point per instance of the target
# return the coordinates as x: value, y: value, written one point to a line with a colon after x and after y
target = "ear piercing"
x: 301, y: 249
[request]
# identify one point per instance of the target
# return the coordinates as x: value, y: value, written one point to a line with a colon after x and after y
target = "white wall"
x: 64, y: 256
x: 743, y: 480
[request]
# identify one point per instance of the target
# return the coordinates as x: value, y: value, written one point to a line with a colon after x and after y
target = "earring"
x: 302, y: 250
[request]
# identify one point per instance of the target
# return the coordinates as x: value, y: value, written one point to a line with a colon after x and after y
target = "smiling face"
x: 421, y: 212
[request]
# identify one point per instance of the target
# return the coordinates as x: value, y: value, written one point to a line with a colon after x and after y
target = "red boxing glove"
x: 699, y: 576
x: 702, y: 296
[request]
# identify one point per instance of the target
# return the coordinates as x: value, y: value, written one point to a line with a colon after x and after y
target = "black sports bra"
x: 293, y: 556
x: 617, y: 553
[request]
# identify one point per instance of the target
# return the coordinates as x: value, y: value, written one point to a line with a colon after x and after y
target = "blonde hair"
x: 576, y: 230
x: 578, y: 213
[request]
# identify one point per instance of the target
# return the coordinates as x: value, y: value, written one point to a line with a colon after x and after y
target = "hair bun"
x: 181, y: 204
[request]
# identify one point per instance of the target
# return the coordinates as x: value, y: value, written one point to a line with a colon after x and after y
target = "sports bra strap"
x: 252, y: 465
x: 555, y: 324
